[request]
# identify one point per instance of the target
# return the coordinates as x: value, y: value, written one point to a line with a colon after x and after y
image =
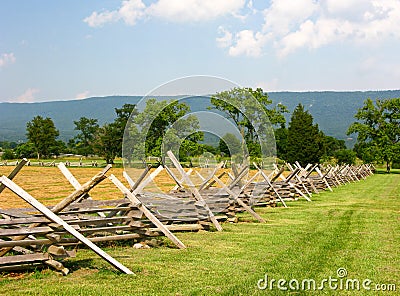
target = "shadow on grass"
x: 79, y: 264
x: 90, y: 266
x: 392, y: 172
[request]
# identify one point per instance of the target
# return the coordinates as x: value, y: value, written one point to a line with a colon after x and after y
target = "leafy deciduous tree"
x: 105, y: 144
x: 239, y: 101
x: 229, y: 144
x: 120, y: 122
x: 7, y: 145
x: 108, y: 140
x: 150, y: 127
x: 331, y: 145
x: 42, y: 133
x: 345, y: 156
x: 24, y: 150
x: 8, y: 154
x: 378, y: 129
x: 87, y: 128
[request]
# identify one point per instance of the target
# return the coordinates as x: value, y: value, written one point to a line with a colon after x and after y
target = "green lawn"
x: 357, y: 227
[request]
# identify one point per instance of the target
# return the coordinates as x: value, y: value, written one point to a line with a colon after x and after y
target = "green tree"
x: 105, y: 144
x: 190, y: 147
x: 84, y: 140
x: 185, y: 128
x: 58, y: 148
x: 305, y: 141
x: 24, y: 150
x: 8, y: 154
x: 120, y: 122
x: 71, y: 146
x: 378, y: 129
x: 331, y: 145
x: 42, y: 133
x: 345, y: 156
x: 209, y: 148
x: 124, y: 113
x: 229, y: 144
x: 108, y: 139
x: 237, y: 102
x: 281, y: 138
x: 366, y: 151
x: 7, y: 145
x: 163, y: 122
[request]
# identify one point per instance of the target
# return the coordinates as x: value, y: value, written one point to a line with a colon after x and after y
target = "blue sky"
x: 59, y: 50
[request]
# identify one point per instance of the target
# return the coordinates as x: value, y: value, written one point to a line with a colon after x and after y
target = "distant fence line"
x: 53, y: 163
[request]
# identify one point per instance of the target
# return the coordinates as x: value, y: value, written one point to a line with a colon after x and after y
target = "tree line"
x: 377, y: 128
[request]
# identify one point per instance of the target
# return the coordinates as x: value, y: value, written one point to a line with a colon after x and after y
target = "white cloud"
x: 370, y: 23
x: 353, y: 10
x: 193, y: 10
x: 311, y: 24
x: 284, y: 15
x: 28, y: 96
x: 248, y: 43
x: 99, y: 19
x: 7, y: 59
x: 314, y: 35
x: 82, y: 95
x: 226, y: 39
x: 382, y: 21
x: 286, y: 25
x: 131, y: 11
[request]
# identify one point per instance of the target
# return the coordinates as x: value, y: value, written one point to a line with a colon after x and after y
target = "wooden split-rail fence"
x: 53, y: 163
x: 38, y: 235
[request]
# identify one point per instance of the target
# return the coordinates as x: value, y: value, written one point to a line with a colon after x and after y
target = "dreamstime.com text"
x: 340, y: 282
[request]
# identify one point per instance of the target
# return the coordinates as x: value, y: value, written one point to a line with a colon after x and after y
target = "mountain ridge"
x: 333, y: 111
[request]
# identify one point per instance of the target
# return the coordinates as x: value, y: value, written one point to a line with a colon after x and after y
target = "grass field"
x: 357, y: 227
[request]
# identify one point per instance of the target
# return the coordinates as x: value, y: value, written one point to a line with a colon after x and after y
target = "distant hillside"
x: 14, y: 116
x: 333, y: 111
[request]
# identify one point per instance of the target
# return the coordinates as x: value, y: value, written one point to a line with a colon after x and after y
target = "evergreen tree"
x: 305, y: 141
x: 281, y: 138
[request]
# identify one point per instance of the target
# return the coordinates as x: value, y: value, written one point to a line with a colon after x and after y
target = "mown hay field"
x: 49, y: 186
